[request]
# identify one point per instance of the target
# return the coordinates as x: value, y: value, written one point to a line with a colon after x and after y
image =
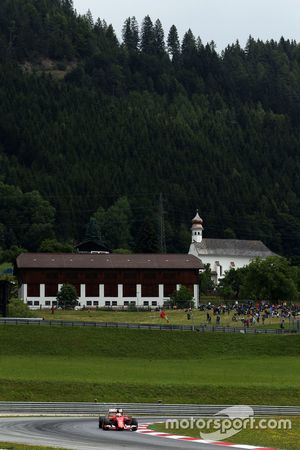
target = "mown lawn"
x: 177, y: 317
x: 287, y: 439
x: 84, y: 364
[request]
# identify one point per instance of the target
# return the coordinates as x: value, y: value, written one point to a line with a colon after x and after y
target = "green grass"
x: 84, y: 364
x: 33, y: 340
x: 177, y: 317
x: 284, y: 439
x: 171, y: 371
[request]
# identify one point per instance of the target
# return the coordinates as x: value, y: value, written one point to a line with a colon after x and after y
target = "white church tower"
x: 224, y: 254
x: 197, y: 228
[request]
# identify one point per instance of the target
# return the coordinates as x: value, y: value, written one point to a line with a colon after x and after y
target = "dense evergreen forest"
x: 94, y: 130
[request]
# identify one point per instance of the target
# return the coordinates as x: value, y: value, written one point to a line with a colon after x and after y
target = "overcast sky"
x: 223, y: 21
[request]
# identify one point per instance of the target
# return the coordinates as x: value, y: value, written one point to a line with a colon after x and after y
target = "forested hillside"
x: 91, y: 127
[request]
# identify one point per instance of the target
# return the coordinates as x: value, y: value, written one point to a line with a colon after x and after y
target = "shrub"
x: 17, y: 308
x: 183, y: 298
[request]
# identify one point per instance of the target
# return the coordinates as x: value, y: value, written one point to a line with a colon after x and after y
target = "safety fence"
x: 202, y: 328
x: 138, y: 409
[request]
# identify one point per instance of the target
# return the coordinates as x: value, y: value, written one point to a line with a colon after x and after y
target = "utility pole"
x: 163, y: 248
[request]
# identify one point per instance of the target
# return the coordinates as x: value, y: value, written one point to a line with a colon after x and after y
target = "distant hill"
x: 99, y: 128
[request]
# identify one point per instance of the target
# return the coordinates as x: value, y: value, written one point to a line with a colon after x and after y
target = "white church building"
x: 224, y: 254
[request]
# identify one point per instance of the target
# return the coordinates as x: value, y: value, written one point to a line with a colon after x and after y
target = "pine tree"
x: 147, y: 36
x: 111, y: 37
x: 130, y: 34
x: 173, y: 42
x: 188, y: 45
x: 135, y: 33
x: 126, y: 34
x: 89, y: 19
x: 159, y: 38
x: 93, y: 232
x: 147, y: 240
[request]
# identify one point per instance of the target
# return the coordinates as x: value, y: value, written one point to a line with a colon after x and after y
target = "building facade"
x: 106, y: 279
x: 224, y: 254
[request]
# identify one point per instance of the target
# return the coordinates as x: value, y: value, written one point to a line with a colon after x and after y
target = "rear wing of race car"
x: 115, y: 411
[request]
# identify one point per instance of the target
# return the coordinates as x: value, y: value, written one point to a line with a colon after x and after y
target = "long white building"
x: 106, y: 279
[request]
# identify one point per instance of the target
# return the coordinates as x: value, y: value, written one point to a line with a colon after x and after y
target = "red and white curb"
x: 144, y: 429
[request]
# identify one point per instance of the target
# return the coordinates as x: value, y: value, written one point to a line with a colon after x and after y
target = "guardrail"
x: 138, y: 409
x: 202, y: 328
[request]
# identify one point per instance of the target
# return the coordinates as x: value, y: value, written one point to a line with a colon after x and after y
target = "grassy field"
x: 178, y: 317
x: 54, y: 364
x: 279, y: 438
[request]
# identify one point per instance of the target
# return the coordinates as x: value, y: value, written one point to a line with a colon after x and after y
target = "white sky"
x: 223, y: 21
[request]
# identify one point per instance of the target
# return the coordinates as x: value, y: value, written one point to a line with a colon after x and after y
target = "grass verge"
x: 287, y: 439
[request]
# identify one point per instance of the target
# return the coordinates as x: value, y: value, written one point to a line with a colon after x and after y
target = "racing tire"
x: 105, y: 424
x: 134, y: 424
x: 101, y: 422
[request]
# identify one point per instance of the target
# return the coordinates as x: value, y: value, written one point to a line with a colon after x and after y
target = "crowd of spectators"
x: 251, y: 313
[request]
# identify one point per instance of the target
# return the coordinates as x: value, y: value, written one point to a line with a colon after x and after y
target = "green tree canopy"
x: 130, y: 34
x: 148, y: 36
x: 114, y: 224
x: 67, y: 297
x: 85, y: 121
x: 93, y: 231
x: 270, y: 279
x: 231, y: 285
x: 173, y: 42
x: 273, y: 279
x: 54, y: 246
x: 206, y: 282
x: 183, y: 298
x: 26, y: 218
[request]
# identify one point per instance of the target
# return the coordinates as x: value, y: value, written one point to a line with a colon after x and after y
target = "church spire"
x: 197, y: 228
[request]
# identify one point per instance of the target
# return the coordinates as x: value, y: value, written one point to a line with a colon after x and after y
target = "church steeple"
x: 197, y: 228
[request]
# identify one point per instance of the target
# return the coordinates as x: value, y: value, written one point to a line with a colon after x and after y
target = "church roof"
x: 232, y: 247
x: 197, y: 218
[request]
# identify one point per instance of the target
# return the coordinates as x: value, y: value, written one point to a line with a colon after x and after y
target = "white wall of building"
x: 101, y: 301
x: 222, y: 264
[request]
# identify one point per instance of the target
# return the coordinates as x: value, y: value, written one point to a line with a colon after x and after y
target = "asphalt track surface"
x: 83, y: 433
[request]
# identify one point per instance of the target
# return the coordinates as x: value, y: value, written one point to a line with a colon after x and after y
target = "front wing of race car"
x: 126, y: 424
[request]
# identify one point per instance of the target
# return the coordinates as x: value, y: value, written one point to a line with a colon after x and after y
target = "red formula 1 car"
x: 115, y: 419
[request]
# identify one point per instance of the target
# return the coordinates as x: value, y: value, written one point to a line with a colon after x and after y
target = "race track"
x: 82, y: 434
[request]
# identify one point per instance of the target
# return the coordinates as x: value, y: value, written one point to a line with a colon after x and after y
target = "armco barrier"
x: 138, y: 409
x: 144, y: 326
